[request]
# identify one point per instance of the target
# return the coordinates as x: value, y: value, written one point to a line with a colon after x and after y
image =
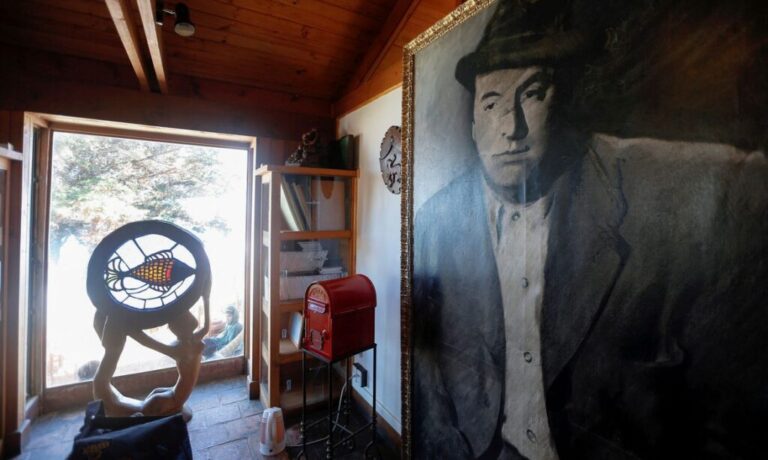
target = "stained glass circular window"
x: 147, y: 272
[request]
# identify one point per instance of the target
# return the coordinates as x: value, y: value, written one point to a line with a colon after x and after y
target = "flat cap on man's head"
x: 524, y: 33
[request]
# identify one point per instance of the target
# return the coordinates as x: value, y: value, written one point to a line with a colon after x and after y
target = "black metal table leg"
x: 303, y: 406
x: 329, y: 442
x: 373, y: 415
x: 348, y: 396
x: 347, y: 436
x: 372, y: 444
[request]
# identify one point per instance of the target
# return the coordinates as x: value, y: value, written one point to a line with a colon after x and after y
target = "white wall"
x: 378, y: 248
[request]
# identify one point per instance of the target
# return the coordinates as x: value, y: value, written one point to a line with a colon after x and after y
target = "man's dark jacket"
x: 654, y: 322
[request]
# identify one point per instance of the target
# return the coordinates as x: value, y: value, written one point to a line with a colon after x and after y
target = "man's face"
x: 510, y: 122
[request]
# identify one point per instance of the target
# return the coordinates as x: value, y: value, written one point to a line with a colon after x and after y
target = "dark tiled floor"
x: 316, y: 451
x: 224, y: 426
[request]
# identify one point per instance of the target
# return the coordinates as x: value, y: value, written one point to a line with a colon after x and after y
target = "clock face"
x: 390, y: 157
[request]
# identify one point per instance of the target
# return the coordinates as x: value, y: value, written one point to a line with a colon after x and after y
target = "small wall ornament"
x: 390, y: 159
x: 310, y: 152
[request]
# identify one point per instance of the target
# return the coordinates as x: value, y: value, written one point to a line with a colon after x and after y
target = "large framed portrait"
x: 585, y: 231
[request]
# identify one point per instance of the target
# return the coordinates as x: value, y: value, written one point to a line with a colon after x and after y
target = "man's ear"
x: 473, y: 131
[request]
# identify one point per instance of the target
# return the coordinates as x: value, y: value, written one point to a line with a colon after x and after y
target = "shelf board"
x: 286, y: 306
x: 291, y: 400
x: 7, y: 152
x: 293, y: 305
x: 289, y: 353
x: 304, y: 171
x: 290, y: 235
x: 287, y: 235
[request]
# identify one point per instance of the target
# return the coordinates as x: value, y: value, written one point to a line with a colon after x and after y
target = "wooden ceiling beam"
x: 154, y: 36
x: 121, y: 16
x: 394, y: 24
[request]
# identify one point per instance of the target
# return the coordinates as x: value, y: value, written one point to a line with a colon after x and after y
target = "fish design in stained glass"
x: 160, y: 271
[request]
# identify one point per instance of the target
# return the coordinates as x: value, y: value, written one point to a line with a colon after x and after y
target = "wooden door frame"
x: 7, y: 158
x: 13, y: 422
x: 38, y: 250
x: 56, y: 398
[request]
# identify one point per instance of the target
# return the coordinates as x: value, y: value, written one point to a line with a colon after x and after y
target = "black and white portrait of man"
x: 590, y: 280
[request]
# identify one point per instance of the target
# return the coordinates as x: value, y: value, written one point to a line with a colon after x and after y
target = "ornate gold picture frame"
x: 584, y: 202
x: 458, y: 17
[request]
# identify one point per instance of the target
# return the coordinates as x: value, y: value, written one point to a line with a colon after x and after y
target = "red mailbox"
x: 339, y: 316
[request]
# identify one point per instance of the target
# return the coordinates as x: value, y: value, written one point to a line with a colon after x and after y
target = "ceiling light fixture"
x: 183, y: 25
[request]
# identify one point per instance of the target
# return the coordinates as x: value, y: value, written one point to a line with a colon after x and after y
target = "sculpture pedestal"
x: 186, y: 413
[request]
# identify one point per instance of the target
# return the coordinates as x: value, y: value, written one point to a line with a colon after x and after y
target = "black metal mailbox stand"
x: 329, y: 443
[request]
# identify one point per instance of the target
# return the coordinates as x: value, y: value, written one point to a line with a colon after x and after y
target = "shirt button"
x: 528, y: 357
x: 525, y: 282
x: 515, y: 216
x: 531, y: 436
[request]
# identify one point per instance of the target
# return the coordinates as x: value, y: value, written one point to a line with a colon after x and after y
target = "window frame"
x: 55, y: 398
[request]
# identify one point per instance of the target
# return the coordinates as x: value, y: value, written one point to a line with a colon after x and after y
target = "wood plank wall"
x: 381, y: 82
x: 274, y: 151
x: 50, y: 83
x: 389, y: 71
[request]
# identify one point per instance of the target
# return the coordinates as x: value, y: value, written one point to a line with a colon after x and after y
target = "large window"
x: 99, y: 183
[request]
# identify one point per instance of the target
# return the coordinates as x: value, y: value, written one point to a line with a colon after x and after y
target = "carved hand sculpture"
x: 133, y: 291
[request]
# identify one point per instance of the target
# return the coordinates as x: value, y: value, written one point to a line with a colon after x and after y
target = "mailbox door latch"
x: 317, y: 338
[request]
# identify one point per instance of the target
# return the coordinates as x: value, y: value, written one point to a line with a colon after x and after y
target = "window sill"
x: 78, y: 394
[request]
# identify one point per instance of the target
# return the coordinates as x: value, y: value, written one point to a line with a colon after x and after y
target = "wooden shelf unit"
x: 279, y: 356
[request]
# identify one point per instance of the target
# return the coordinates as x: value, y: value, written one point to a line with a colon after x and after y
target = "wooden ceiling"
x: 304, y: 48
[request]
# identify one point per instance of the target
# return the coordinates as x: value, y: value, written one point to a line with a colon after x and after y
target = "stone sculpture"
x: 134, y: 288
